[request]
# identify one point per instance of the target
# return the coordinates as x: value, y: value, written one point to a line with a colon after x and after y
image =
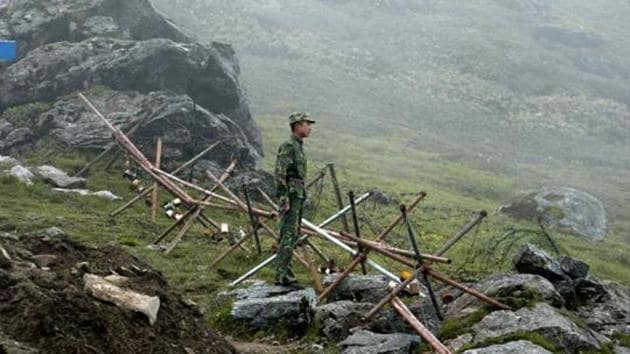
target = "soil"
x: 43, y: 304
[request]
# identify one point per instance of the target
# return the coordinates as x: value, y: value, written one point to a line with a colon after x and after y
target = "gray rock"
x: 5, y: 258
x: 58, y: 178
x: 22, y: 173
x: 531, y: 259
x: 360, y: 288
x: 337, y: 318
x: 458, y: 342
x: 621, y: 350
x: 504, y: 286
x: 54, y: 232
x: 389, y: 321
x: 8, y: 160
x: 185, y: 128
x: 542, y: 319
x: 33, y: 25
x: 253, y: 180
x: 573, y: 267
x: 265, y: 308
x: 17, y: 140
x: 5, y: 128
x: 366, y: 342
x: 102, y: 26
x: 208, y: 74
x: 564, y: 208
x: 604, y: 306
x: 517, y: 347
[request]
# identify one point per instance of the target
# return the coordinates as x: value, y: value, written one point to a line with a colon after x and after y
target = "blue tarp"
x: 7, y: 50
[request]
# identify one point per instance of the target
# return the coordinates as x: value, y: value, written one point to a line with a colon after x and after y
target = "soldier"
x: 291, y: 192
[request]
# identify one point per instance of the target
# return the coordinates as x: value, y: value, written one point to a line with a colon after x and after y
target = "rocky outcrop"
x: 531, y: 259
x: 565, y: 208
x: 337, y: 318
x: 126, y: 46
x: 34, y: 24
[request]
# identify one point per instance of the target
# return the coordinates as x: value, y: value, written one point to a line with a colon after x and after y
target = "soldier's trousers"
x: 289, y: 233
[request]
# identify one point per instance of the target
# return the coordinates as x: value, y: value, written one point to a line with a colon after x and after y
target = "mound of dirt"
x: 44, y: 306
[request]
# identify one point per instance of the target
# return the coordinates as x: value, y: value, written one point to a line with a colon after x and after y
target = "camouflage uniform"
x: 290, y: 175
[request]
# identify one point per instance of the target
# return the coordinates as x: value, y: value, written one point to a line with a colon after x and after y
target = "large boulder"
x: 524, y: 286
x: 565, y: 208
x: 185, y: 127
x: 34, y: 24
x: 366, y: 342
x: 264, y: 306
x: 360, y: 288
x: 542, y: 319
x: 389, y: 321
x: 208, y: 74
x: 22, y: 173
x: 516, y: 347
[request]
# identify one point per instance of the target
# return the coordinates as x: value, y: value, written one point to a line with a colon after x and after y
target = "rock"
x: 389, y: 321
x: 527, y: 286
x: 366, y: 342
x: 381, y: 198
x: 33, y: 25
x: 517, y: 347
x: 564, y: 208
x: 621, y: 350
x: 54, y: 232
x: 604, y: 306
x: 268, y: 306
x: 58, y: 178
x: 208, y: 74
x: 360, y: 288
x: 9, y: 236
x: 337, y: 318
x: 23, y: 174
x: 458, y: 342
x: 542, y: 319
x: 8, y: 160
x: 117, y: 280
x: 573, y: 267
x: 101, y: 194
x: 45, y: 260
x: 185, y: 127
x: 17, y: 140
x: 126, y: 299
x: 531, y: 259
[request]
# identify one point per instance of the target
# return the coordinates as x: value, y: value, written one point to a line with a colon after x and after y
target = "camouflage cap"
x: 300, y: 117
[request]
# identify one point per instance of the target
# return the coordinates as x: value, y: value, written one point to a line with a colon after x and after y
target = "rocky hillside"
x: 137, y: 68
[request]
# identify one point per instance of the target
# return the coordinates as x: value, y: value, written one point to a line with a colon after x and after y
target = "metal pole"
x: 333, y: 177
x: 355, y: 223
x: 322, y: 224
x: 414, y: 244
x: 252, y: 219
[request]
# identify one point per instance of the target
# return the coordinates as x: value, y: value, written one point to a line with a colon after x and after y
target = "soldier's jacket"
x: 290, y: 170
